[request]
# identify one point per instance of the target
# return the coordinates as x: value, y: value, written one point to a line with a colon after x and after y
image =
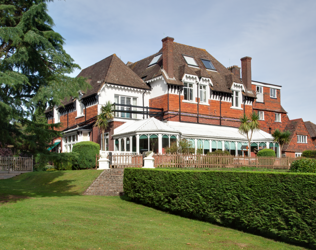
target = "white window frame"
x: 236, y: 95
x: 154, y: 60
x: 261, y: 115
x: 298, y: 154
x: 277, y: 117
x: 302, y: 139
x: 203, y: 90
x: 189, y: 87
x: 134, y: 101
x: 79, y: 108
x: 259, y: 89
x: 67, y: 146
x: 273, y: 93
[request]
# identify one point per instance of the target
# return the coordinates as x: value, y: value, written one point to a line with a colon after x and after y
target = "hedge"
x: 266, y: 152
x: 276, y: 205
x: 87, y: 152
x: 309, y: 154
x: 304, y: 165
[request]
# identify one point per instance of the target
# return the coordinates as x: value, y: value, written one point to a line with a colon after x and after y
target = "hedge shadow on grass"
x: 36, y: 184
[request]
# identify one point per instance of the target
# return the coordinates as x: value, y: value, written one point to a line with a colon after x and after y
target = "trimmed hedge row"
x: 266, y: 152
x: 277, y: 205
x: 86, y: 150
x: 309, y: 153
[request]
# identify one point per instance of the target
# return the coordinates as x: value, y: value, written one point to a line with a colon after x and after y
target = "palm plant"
x: 281, y: 138
x: 248, y: 126
x: 103, y: 119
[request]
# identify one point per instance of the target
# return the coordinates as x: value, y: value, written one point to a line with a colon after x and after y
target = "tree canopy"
x: 281, y: 137
x: 34, y: 71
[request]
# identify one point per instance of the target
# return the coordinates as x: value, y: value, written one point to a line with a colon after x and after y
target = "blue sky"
x: 279, y: 35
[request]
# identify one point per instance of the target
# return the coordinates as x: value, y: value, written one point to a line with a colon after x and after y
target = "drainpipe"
x: 180, y: 104
x: 198, y: 102
x: 220, y: 110
x: 144, y: 104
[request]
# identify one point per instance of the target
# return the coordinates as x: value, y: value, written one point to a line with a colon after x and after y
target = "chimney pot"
x: 167, y: 55
x: 235, y: 70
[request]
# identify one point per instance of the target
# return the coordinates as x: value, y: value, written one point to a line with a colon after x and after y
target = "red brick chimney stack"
x: 235, y: 70
x: 246, y: 71
x: 167, y: 55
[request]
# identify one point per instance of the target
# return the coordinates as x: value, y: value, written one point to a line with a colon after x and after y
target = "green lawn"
x: 56, y: 217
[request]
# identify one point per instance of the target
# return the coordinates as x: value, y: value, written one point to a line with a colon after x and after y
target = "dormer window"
x: 190, y: 61
x: 154, y: 60
x: 208, y: 64
x: 188, y: 91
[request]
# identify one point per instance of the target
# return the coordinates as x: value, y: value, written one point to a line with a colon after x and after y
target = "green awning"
x: 143, y: 137
x: 54, y: 145
x: 153, y: 137
x: 165, y: 137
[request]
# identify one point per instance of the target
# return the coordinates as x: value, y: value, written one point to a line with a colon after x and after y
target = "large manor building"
x: 178, y: 92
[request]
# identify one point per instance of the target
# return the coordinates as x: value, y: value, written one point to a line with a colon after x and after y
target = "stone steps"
x: 109, y: 183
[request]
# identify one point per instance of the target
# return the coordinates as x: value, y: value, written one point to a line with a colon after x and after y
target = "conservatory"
x: 154, y: 135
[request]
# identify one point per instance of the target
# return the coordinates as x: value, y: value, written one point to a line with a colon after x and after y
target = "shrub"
x: 309, y: 154
x: 277, y: 205
x: 266, y: 152
x: 219, y: 152
x: 61, y: 161
x: 184, y: 147
x: 304, y: 165
x: 86, y: 151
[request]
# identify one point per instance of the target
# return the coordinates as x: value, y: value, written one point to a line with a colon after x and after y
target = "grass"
x: 56, y: 217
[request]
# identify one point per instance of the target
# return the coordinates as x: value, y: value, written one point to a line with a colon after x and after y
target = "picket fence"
x: 11, y: 164
x: 215, y: 161
x: 127, y: 160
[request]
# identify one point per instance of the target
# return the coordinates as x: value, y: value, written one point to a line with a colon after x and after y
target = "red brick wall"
x: 300, y: 147
x: 72, y: 120
x: 268, y: 102
x: 269, y: 122
x: 230, y: 117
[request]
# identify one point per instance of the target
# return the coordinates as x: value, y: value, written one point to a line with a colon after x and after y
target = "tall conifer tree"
x: 33, y: 73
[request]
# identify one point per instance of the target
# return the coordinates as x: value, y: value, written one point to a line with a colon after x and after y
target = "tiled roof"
x: 222, y: 78
x: 109, y: 70
x: 281, y: 109
x: 311, y: 128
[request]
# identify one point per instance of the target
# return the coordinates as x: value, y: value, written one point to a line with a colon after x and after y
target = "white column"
x: 169, y: 140
x: 210, y: 145
x: 148, y: 137
x: 195, y: 145
x: 280, y: 153
x: 236, y: 148
x: 268, y: 144
x: 223, y: 146
x: 131, y: 144
x: 160, y: 143
x: 120, y: 146
x: 137, y: 144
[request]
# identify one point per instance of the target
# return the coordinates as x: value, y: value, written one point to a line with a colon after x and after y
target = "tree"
x: 248, y: 126
x: 103, y: 119
x: 281, y: 138
x: 33, y: 73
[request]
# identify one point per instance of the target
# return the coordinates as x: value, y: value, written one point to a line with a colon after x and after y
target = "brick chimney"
x: 246, y: 71
x: 167, y: 55
x: 235, y: 70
